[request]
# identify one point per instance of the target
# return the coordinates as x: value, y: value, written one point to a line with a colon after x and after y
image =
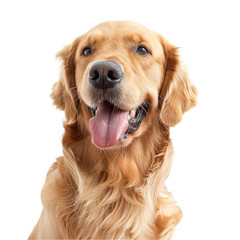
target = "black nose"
x: 105, y: 74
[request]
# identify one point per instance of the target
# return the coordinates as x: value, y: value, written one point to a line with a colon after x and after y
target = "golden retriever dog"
x: 121, y: 87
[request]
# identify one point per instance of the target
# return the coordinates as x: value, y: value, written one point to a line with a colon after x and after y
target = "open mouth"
x: 110, y: 125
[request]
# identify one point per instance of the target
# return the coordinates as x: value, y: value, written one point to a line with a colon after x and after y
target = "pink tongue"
x: 108, y: 126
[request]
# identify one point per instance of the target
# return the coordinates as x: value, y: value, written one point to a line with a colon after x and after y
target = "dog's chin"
x: 113, y: 127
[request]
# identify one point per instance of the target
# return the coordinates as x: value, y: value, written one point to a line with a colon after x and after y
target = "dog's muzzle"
x: 110, y: 124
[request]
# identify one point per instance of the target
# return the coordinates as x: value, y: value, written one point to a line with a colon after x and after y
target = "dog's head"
x: 117, y: 78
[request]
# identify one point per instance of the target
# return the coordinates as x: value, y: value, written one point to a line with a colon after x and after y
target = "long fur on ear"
x: 177, y: 91
x: 64, y: 91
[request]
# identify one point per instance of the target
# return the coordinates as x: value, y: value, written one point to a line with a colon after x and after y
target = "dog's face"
x: 123, y: 75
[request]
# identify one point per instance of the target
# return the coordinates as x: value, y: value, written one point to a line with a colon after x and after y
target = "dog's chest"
x: 111, y: 213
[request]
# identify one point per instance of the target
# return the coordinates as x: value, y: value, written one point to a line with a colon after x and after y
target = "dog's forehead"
x: 127, y: 31
x: 119, y: 26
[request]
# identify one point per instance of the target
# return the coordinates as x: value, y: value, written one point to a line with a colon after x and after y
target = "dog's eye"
x: 87, y: 51
x: 142, y: 51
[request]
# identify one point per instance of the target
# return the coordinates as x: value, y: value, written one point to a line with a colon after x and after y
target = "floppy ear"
x: 64, y: 91
x: 177, y: 91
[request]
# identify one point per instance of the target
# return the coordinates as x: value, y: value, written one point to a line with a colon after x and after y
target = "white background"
x: 205, y: 176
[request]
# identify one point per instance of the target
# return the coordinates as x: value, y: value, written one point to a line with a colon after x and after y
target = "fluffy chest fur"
x: 118, y: 204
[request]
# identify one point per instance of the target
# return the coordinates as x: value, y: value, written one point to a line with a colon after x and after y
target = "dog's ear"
x: 64, y: 91
x: 177, y: 92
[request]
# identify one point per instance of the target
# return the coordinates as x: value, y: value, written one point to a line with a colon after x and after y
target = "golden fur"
x: 118, y: 192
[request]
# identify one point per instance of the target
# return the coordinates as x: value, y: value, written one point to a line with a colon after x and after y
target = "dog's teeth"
x: 132, y: 114
x: 96, y: 111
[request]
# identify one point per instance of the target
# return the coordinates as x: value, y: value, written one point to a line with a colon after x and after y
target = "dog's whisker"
x: 69, y: 100
x: 79, y: 105
x: 162, y: 99
x: 74, y: 100
x: 59, y: 98
x: 69, y: 90
x: 152, y: 105
x: 143, y: 109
